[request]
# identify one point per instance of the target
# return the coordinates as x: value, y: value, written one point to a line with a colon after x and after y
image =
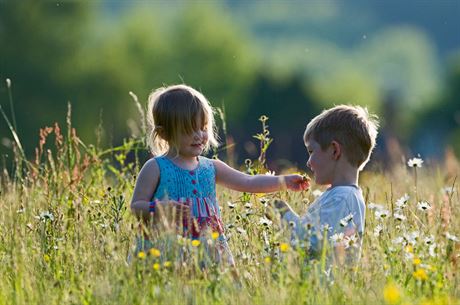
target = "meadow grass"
x: 66, y: 233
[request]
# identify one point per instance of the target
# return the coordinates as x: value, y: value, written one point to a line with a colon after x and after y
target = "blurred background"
x: 287, y: 60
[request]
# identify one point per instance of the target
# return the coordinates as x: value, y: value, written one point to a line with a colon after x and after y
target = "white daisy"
x: 382, y: 214
x: 399, y: 216
x: 351, y: 241
x: 337, y: 237
x: 265, y: 221
x: 452, y: 237
x: 432, y: 250
x: 401, y: 203
x: 415, y: 162
x: 429, y: 240
x: 378, y: 230
x: 248, y: 205
x: 344, y: 221
x: 46, y: 216
x: 423, y: 206
x: 231, y: 205
x: 375, y: 206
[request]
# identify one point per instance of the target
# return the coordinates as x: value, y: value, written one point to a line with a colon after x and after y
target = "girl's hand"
x: 297, y: 182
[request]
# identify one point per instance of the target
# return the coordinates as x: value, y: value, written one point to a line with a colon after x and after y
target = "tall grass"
x: 66, y: 233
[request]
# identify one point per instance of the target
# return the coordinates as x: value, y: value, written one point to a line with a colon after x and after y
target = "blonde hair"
x: 351, y: 126
x: 174, y: 111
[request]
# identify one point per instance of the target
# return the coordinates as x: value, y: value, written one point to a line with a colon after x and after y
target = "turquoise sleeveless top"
x: 196, y: 188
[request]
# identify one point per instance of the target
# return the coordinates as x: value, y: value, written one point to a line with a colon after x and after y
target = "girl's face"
x: 192, y: 145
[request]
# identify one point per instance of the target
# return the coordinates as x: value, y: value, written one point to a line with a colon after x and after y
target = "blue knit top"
x: 196, y: 188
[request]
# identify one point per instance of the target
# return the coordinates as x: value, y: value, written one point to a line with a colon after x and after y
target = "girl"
x: 181, y: 128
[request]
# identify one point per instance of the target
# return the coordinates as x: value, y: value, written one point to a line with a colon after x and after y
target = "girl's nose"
x: 308, y: 164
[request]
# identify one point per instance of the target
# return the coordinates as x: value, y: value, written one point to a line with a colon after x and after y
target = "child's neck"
x: 345, y: 175
x: 185, y: 162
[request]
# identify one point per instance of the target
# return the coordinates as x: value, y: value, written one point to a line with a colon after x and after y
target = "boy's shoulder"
x: 342, y: 195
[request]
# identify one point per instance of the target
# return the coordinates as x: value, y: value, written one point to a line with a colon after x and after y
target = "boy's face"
x: 321, y: 162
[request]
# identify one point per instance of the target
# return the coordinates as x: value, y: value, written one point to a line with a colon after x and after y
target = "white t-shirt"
x: 341, y: 211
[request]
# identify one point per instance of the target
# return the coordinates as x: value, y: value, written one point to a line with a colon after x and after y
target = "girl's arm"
x: 146, y: 184
x: 242, y: 182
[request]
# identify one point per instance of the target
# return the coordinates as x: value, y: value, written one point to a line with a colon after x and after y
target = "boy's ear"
x: 336, y: 150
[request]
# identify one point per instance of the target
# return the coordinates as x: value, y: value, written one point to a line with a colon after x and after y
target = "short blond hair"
x: 351, y: 126
x: 174, y: 111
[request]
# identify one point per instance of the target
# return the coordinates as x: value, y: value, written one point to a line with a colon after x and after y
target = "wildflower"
x: 270, y: 173
x: 215, y: 235
x: 284, y: 247
x: 399, y: 240
x: 409, y: 249
x: 423, y: 206
x: 317, y: 193
x: 156, y: 266
x: 416, y: 261
x: 230, y: 205
x: 429, y: 240
x: 196, y: 242
x: 44, y: 216
x: 391, y: 293
x: 337, y: 237
x: 351, y: 241
x: 46, y: 258
x: 448, y: 190
x: 401, y: 203
x: 248, y: 205
x: 21, y: 210
x: 382, y: 214
x: 375, y: 206
x: 167, y: 264
x: 267, y: 260
x: 452, y: 237
x: 263, y: 200
x: 399, y: 216
x: 344, y: 221
x: 420, y: 274
x: 415, y: 162
x: 378, y: 230
x: 432, y: 250
x: 412, y: 237
x: 141, y: 255
x: 155, y: 252
x: 241, y: 231
x: 265, y: 221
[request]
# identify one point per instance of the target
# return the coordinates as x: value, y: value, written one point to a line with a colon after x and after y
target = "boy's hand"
x: 281, y: 206
x: 297, y: 182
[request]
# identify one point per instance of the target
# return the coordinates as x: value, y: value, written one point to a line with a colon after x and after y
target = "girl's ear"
x: 336, y: 150
x: 160, y: 131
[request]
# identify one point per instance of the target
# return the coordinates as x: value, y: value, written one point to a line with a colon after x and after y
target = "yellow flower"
x: 196, y: 242
x: 46, y: 257
x: 167, y: 264
x: 284, y: 247
x: 409, y: 249
x: 416, y: 261
x: 156, y: 266
x: 391, y: 293
x: 268, y: 259
x: 141, y: 255
x: 420, y: 274
x: 215, y: 235
x: 155, y: 252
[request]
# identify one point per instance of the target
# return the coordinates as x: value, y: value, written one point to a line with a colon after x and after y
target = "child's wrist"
x: 152, y: 206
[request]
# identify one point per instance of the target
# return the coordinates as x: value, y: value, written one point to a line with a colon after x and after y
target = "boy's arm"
x: 242, y: 182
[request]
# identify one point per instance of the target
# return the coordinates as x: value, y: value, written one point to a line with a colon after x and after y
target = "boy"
x: 339, y: 141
